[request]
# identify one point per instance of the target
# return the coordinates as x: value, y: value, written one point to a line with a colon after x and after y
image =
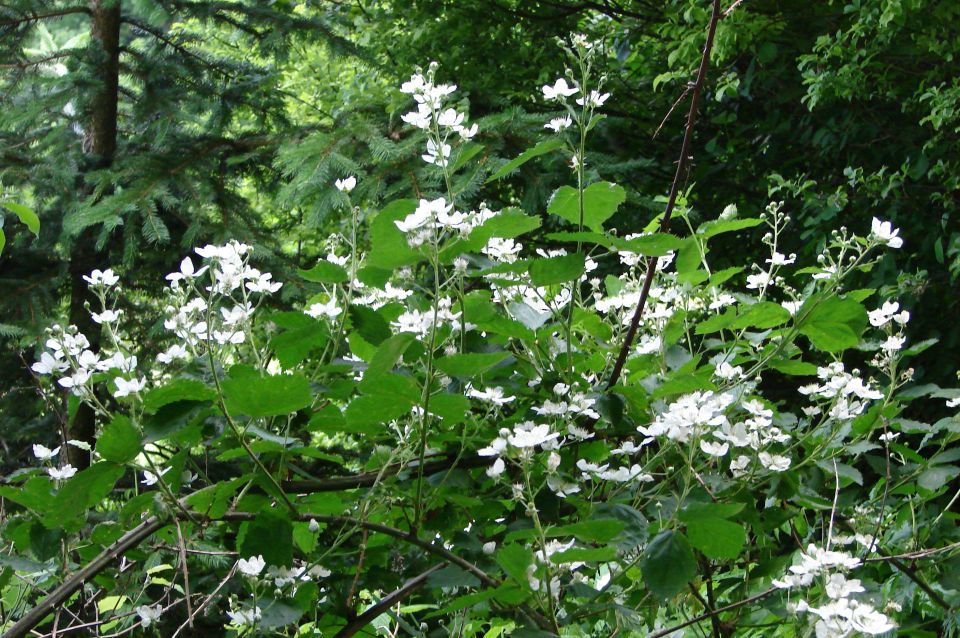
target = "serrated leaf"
x: 834, y: 324
x: 470, y: 364
x: 179, y: 389
x: 556, y: 270
x: 514, y: 560
x: 717, y: 538
x: 119, y: 441
x: 600, y: 202
x: 258, y: 396
x: 668, y: 564
x: 325, y: 272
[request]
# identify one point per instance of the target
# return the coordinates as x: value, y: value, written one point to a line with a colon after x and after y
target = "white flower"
x: 346, y: 184
x: 559, y: 90
x: 43, y: 453
x: 175, y: 351
x: 467, y: 132
x: 149, y: 478
x: 105, y: 278
x: 868, y: 620
x: 62, y: 473
x: 187, y: 272
x: 245, y: 617
x: 493, y: 395
x: 885, y: 232
x: 713, y: 448
x: 251, y: 566
x: 263, y: 283
x: 758, y: 280
x: 496, y: 469
x: 559, y: 124
x: 893, y: 343
x: 954, y: 402
x: 127, y: 387
x: 329, y: 309
x: 779, y: 259
x: 596, y: 98
x: 839, y: 587
x: 148, y: 615
x: 48, y: 364
x: 726, y: 371
x: 435, y: 154
x: 884, y: 314
x: 774, y: 462
x: 450, y: 118
x: 489, y: 548
x: 528, y: 435
x: 314, y: 526
x: 107, y: 316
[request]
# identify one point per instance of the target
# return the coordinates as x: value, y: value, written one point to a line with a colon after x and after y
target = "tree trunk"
x: 100, y: 145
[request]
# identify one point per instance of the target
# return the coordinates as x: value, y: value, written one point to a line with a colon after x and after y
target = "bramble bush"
x: 458, y: 434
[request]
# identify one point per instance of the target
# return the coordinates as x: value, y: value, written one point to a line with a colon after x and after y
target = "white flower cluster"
x: 841, y: 616
x: 233, y: 284
x: 440, y: 123
x: 844, y: 395
x: 704, y: 416
x: 422, y: 322
x: 433, y: 218
x: 68, y: 350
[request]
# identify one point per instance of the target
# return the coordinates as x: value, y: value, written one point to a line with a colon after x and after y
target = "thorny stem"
x: 672, y: 199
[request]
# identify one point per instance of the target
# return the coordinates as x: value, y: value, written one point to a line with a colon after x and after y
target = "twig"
x: 711, y: 614
x: 206, y: 601
x: 386, y: 603
x: 672, y: 200
x: 186, y: 573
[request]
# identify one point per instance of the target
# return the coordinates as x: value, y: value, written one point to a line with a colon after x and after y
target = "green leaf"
x: 257, y: 396
x: 120, y: 440
x: 935, y: 477
x: 668, y: 564
x: 585, y: 554
x: 388, y: 246
x: 704, y: 511
x: 544, y: 147
x: 365, y: 413
x: 594, y: 530
x: 270, y: 535
x: 26, y: 215
x: 179, y: 389
x: 470, y: 364
x: 514, y: 560
x: 654, y: 244
x: 325, y: 272
x: 600, y: 202
x: 717, y: 538
x: 556, y: 270
x: 834, y: 324
x: 85, y: 490
x: 387, y: 355
x: 719, y: 226
x: 764, y: 314
x: 793, y: 367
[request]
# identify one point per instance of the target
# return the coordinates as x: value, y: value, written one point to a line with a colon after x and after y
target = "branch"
x: 672, y: 200
x: 711, y: 614
x: 66, y: 589
x: 139, y: 534
x: 34, y: 17
x: 386, y: 603
x: 367, y: 479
